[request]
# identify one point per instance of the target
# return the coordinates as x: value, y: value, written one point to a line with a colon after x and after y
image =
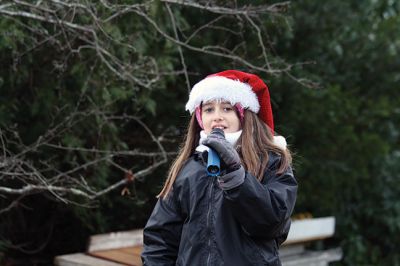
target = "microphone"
x: 213, y: 162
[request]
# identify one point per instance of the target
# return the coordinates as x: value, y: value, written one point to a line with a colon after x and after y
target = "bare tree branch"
x: 94, y: 33
x: 179, y: 47
x: 248, y: 10
x: 35, y: 179
x: 81, y: 30
x: 41, y: 18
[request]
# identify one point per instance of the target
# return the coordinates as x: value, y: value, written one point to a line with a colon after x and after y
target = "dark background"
x: 337, y: 104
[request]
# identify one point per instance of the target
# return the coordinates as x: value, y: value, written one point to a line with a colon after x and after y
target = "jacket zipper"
x: 208, y: 219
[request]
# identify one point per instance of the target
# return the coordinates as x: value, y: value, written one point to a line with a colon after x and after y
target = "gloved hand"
x: 225, y: 150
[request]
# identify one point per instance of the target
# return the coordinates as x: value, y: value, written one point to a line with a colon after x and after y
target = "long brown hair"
x: 253, y: 146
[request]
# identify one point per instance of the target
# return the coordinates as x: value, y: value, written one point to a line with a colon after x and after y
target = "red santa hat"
x: 235, y: 87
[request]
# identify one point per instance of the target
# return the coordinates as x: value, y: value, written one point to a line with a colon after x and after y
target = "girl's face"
x: 217, y: 114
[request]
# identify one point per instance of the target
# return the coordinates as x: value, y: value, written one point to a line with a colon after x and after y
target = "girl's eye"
x: 208, y: 110
x: 227, y: 109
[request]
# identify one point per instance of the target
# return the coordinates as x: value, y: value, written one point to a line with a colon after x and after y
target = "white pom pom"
x: 280, y: 142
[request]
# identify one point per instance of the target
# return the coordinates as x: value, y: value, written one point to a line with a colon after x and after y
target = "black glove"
x: 227, y: 153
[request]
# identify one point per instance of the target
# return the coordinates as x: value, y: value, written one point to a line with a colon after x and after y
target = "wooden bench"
x: 123, y: 248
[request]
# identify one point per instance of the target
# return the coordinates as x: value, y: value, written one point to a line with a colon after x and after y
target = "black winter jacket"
x: 201, y: 224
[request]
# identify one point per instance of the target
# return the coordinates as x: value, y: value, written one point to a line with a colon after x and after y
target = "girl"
x: 241, y: 216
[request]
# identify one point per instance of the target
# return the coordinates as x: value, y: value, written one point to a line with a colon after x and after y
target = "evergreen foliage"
x: 344, y: 134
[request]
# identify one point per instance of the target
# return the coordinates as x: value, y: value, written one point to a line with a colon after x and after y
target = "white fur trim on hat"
x: 217, y: 87
x: 280, y: 141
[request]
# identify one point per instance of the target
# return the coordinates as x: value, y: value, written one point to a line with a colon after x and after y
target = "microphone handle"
x: 213, y: 163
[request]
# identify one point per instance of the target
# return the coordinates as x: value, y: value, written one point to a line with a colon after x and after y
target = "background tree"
x: 88, y: 94
x: 92, y: 105
x: 346, y: 133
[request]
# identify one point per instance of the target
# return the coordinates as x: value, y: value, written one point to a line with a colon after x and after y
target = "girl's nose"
x: 218, y: 115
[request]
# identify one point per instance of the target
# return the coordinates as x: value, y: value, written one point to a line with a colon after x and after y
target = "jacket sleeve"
x: 162, y: 233
x: 263, y: 209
